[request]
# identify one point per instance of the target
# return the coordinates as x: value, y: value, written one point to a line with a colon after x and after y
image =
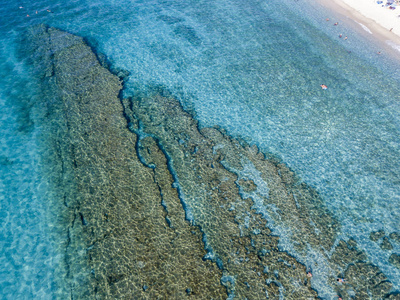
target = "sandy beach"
x: 375, y: 18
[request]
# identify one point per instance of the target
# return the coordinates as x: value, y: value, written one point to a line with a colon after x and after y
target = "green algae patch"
x: 157, y: 208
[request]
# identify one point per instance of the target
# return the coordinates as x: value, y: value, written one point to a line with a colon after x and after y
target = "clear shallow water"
x: 28, y: 259
x: 253, y: 68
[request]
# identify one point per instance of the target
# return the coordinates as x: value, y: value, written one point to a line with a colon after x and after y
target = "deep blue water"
x: 252, y: 67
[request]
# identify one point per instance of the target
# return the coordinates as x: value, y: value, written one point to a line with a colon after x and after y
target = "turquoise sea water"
x: 252, y: 67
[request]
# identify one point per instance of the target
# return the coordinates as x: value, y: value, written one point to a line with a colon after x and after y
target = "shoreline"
x: 373, y: 20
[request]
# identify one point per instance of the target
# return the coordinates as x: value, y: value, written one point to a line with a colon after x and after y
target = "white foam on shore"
x: 364, y: 27
x: 394, y: 45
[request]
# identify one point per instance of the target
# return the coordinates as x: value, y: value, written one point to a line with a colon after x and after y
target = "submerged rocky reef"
x: 155, y: 207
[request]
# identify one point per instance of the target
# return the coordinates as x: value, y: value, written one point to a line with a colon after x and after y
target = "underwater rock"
x: 188, y: 33
x: 376, y: 235
x: 373, y: 282
x: 238, y: 239
x: 386, y: 245
x: 395, y: 236
x: 5, y: 161
x: 125, y: 242
x: 394, y: 259
x: 238, y: 197
x: 362, y: 279
x: 160, y: 208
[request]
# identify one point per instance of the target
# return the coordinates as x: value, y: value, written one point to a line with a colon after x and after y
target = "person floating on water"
x: 323, y: 86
